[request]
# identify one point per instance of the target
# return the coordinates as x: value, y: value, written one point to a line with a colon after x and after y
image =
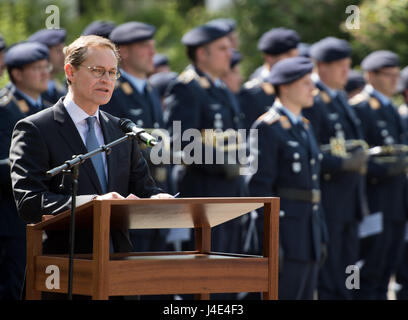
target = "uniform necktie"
x: 97, y: 161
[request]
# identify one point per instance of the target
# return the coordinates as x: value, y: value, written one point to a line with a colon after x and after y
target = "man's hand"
x: 110, y: 196
x: 162, y: 196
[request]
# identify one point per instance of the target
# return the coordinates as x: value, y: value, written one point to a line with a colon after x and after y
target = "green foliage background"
x: 382, y: 22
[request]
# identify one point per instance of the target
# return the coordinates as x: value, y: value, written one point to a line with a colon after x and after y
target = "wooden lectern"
x: 199, y: 272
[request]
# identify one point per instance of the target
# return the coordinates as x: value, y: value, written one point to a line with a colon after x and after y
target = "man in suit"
x: 198, y: 99
x: 135, y: 99
x: 342, y: 180
x: 28, y: 68
x: 54, y: 39
x: 75, y: 125
x: 386, y: 180
x: 257, y: 95
x: 289, y: 166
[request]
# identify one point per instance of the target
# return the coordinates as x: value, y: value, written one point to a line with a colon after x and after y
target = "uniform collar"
x: 371, y: 91
x: 292, y: 117
x: 30, y: 100
x: 138, y: 83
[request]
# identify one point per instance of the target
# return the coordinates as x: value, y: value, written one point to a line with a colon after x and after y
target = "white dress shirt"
x: 79, y: 116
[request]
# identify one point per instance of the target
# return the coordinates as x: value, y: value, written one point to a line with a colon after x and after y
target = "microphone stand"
x: 72, y: 167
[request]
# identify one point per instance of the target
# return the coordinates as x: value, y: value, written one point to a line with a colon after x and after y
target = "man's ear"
x: 17, y: 75
x: 69, y: 71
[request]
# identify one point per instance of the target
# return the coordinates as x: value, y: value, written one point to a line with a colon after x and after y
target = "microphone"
x: 127, y: 125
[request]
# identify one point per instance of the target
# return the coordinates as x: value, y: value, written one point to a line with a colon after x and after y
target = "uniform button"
x: 384, y: 132
x: 327, y: 177
x: 296, y: 156
x: 312, y: 162
x: 315, y: 207
x: 314, y: 177
x: 320, y: 156
x: 281, y: 214
x: 337, y: 126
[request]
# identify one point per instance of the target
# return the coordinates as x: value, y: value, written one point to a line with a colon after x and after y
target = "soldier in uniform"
x: 257, y: 95
x: 386, y: 176
x: 99, y: 28
x: 288, y: 164
x: 28, y: 68
x: 198, y: 99
x: 135, y: 99
x: 54, y: 39
x: 342, y: 180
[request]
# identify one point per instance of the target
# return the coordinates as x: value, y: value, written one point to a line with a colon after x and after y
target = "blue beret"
x: 304, y: 49
x: 355, y: 81
x: 22, y: 53
x: 2, y: 43
x: 330, y: 49
x: 278, y: 40
x: 202, y: 35
x: 49, y: 37
x: 228, y: 25
x: 289, y: 70
x: 380, y: 59
x: 235, y: 58
x: 403, y: 82
x: 99, y: 28
x: 131, y: 32
x: 161, y: 80
x: 160, y: 59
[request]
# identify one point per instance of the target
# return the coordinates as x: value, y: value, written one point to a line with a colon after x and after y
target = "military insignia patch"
x: 374, y: 103
x: 127, y: 89
x: 23, y: 106
x: 325, y: 97
x: 285, y: 123
x: 203, y: 81
x: 268, y: 88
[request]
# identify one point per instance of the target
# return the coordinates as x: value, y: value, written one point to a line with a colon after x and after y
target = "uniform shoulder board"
x: 187, y: 76
x: 358, y: 98
x: 285, y: 123
x: 252, y: 83
x: 269, y: 117
x: 5, y: 97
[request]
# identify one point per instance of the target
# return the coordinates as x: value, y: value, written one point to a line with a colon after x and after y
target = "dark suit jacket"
x: 47, y: 139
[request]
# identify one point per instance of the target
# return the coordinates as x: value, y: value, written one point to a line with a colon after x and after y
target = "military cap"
x: 22, y: 53
x: 49, y: 37
x: 355, y: 81
x: 228, y: 25
x: 160, y: 59
x: 235, y: 58
x: 2, y: 43
x: 278, y: 40
x: 202, y: 35
x: 330, y: 49
x: 161, y: 80
x: 99, y: 28
x: 403, y: 82
x: 304, y: 49
x: 380, y: 59
x: 289, y: 70
x: 131, y: 32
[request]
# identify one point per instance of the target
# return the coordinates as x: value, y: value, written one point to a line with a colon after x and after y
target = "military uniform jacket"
x: 334, y: 118
x: 127, y: 102
x: 286, y: 159
x: 382, y: 125
x: 197, y: 103
x: 13, y: 107
x: 255, y: 98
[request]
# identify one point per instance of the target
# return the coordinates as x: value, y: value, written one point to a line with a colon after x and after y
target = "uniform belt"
x: 312, y: 196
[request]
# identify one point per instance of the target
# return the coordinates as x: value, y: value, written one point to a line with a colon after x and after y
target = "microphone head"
x: 125, y: 125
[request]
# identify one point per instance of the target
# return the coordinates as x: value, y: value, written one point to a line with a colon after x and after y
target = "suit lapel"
x: 73, y: 139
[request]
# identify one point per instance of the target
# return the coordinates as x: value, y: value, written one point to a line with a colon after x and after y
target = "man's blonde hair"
x: 76, y: 52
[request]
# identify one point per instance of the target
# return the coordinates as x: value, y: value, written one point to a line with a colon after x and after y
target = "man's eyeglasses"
x: 99, y: 72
